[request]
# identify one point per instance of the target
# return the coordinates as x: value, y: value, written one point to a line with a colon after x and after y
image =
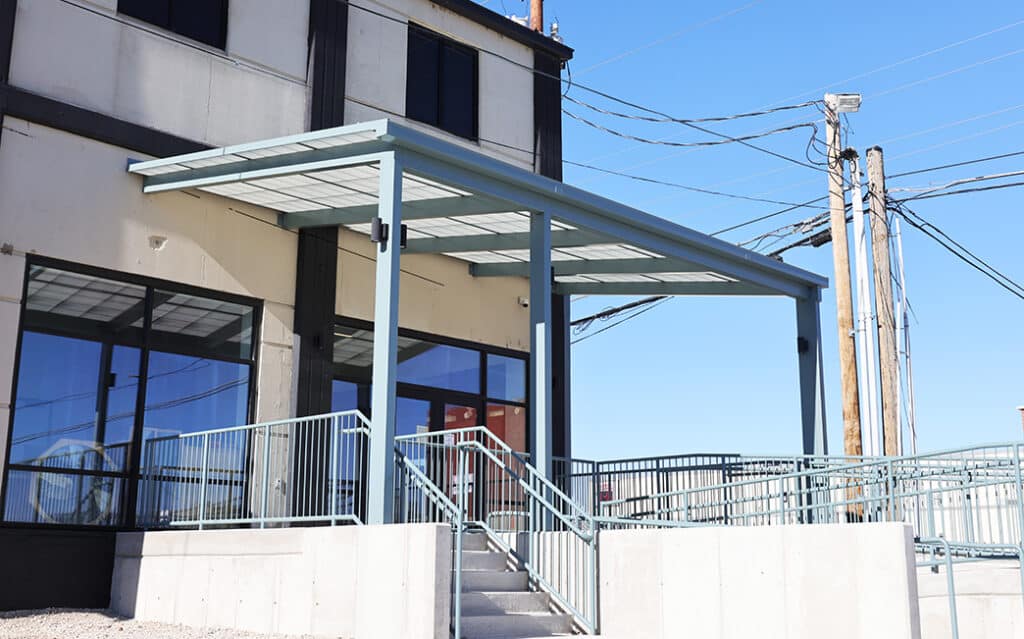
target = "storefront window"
x: 440, y: 385
x: 88, y: 342
x: 506, y: 378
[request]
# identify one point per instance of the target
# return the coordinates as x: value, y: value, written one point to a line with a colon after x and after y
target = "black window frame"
x: 443, y: 44
x: 417, y: 391
x: 131, y: 474
x: 169, y: 23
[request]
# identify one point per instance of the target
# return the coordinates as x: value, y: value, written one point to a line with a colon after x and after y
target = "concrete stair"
x: 497, y: 602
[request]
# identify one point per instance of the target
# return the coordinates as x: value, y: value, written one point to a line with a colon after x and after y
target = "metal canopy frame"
x: 504, y: 221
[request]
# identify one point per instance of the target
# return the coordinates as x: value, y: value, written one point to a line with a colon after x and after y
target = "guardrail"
x: 973, y: 495
x: 496, y: 490
x: 294, y: 470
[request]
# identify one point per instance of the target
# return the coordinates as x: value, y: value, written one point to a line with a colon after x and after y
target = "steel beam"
x: 457, y: 206
x: 381, y: 472
x: 585, y: 267
x: 501, y: 242
x: 662, y: 288
x: 812, y: 382
x: 540, y: 342
x: 306, y: 162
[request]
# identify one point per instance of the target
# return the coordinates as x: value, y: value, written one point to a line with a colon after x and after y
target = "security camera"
x: 157, y: 242
x: 523, y: 301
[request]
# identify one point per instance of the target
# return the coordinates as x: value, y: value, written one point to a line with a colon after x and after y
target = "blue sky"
x: 720, y: 374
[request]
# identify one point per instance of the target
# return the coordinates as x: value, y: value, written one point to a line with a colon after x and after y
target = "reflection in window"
x: 78, y: 383
x: 55, y: 409
x: 63, y: 498
x: 506, y: 378
x: 508, y: 423
x: 83, y: 304
x: 189, y: 322
x: 439, y: 365
x: 420, y: 362
x: 344, y: 396
x: 187, y: 394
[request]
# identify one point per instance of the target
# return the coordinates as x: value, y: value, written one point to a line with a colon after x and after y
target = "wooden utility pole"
x: 888, y: 359
x: 537, y: 15
x: 844, y: 293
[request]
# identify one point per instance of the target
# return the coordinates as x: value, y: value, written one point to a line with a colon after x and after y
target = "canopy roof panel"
x: 464, y: 204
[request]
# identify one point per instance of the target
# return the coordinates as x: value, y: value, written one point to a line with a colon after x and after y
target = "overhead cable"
x: 696, y: 189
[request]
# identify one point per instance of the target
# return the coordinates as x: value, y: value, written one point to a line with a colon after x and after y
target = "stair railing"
x: 524, y: 514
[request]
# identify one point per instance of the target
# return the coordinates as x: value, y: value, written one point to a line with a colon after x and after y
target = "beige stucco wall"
x: 437, y: 295
x: 83, y: 52
x: 375, y: 81
x: 68, y: 197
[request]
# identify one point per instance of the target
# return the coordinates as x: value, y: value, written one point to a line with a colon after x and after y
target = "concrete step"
x: 493, y: 581
x: 515, y: 626
x: 483, y: 560
x: 498, y: 603
x: 474, y: 541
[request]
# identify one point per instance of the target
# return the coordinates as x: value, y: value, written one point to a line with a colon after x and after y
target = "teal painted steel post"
x: 204, y: 479
x: 264, y: 485
x: 460, y: 532
x: 381, y: 471
x: 540, y: 346
x: 332, y: 475
x: 812, y: 383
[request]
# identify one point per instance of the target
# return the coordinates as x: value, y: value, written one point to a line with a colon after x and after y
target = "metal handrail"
x: 486, y: 451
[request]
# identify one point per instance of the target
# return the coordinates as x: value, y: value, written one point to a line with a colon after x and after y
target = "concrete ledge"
x: 779, y: 582
x: 345, y: 581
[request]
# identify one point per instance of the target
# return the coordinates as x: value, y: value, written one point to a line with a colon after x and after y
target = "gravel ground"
x: 103, y: 624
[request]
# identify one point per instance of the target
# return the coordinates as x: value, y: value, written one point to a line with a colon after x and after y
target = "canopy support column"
x: 381, y: 471
x: 540, y: 342
x: 812, y: 382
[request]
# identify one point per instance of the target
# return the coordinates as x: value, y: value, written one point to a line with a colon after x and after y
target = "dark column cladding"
x: 547, y: 122
x: 8, y: 8
x: 48, y: 568
x: 318, y: 254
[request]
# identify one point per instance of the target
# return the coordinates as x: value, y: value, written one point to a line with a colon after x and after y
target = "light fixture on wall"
x: 523, y: 301
x: 157, y: 242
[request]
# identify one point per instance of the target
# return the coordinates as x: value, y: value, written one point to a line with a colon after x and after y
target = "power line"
x: 955, y: 164
x: 956, y: 248
x: 898, y: 63
x: 945, y: 74
x: 623, y: 320
x: 584, y: 322
x: 696, y: 189
x: 671, y: 36
x: 932, y: 188
x: 768, y: 216
x: 725, y: 139
x: 976, y: 189
x: 669, y: 119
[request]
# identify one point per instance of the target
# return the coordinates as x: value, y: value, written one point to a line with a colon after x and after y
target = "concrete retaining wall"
x: 988, y: 601
x: 351, y: 582
x: 785, y: 582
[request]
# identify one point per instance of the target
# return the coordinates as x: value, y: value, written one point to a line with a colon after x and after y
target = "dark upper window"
x: 202, y: 20
x: 441, y: 83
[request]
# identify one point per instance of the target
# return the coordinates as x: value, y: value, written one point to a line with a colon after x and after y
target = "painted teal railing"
x: 307, y: 469
x: 495, y: 490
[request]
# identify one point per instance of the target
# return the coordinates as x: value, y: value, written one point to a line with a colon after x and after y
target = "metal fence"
x: 294, y: 470
x: 970, y: 495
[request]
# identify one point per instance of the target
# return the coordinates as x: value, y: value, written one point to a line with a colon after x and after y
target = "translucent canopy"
x: 466, y: 205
